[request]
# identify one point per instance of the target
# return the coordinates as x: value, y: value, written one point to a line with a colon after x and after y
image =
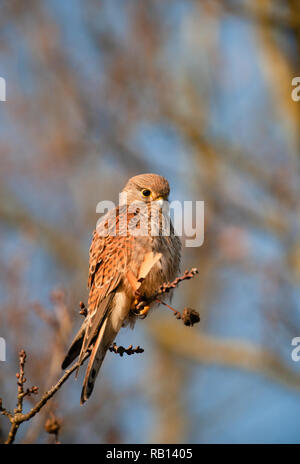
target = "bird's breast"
x: 166, y: 268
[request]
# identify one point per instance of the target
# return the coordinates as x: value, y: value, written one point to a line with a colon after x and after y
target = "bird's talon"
x: 140, y: 308
x: 144, y: 311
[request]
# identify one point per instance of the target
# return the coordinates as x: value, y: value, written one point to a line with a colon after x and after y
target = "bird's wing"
x: 109, y: 254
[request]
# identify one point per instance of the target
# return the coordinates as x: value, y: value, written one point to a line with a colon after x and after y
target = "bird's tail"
x: 105, y: 338
x: 97, y: 333
x: 75, y: 347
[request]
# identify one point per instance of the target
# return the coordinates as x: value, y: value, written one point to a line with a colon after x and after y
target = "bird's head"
x: 147, y: 188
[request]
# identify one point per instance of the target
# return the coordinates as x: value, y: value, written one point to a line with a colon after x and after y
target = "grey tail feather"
x: 105, y: 338
x: 93, y: 325
x: 75, y: 347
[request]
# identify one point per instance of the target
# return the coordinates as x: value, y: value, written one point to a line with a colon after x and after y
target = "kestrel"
x: 124, y: 264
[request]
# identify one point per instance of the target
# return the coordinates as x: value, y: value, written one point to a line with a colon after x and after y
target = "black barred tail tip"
x: 88, y: 389
x: 75, y: 347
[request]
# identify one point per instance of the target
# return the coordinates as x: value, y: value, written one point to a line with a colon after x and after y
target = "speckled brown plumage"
x: 114, y: 253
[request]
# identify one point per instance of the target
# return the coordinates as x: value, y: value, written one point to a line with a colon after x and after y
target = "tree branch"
x: 18, y: 417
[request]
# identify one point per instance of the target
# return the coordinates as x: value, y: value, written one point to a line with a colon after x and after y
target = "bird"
x: 125, y: 268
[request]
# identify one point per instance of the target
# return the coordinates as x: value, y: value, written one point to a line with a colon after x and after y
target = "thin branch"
x: 166, y: 288
x: 114, y: 348
x: 4, y: 411
x: 189, y: 316
x: 18, y: 417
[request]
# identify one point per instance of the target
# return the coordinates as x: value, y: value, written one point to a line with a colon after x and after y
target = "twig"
x: 121, y: 350
x: 167, y: 287
x: 21, y: 380
x: 189, y: 316
x: 4, y: 411
x: 19, y: 417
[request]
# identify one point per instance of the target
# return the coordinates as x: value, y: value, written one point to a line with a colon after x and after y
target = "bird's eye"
x: 146, y: 193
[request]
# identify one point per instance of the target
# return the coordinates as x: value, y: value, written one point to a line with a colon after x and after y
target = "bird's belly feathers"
x: 166, y: 268
x: 120, y: 309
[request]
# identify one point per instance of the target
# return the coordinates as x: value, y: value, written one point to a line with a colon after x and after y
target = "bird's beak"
x: 161, y: 200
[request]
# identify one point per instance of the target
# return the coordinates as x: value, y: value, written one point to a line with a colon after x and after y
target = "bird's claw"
x: 143, y: 312
x: 140, y: 308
